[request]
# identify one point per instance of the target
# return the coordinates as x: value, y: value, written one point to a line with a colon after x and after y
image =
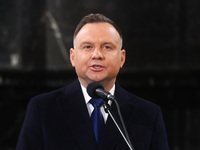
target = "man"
x: 60, y: 120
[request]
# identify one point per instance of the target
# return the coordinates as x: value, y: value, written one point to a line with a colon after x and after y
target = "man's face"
x: 97, y: 54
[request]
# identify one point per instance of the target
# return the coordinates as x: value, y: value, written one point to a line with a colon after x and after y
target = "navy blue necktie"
x: 97, y: 119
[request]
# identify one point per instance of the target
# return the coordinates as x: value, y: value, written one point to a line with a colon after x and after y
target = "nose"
x: 97, y: 54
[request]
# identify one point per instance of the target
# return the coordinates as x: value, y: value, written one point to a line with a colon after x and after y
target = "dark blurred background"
x: 162, y: 39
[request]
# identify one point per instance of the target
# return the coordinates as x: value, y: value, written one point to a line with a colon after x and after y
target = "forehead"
x: 98, y: 30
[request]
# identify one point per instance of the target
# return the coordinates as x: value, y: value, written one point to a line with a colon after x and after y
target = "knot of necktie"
x: 96, y: 102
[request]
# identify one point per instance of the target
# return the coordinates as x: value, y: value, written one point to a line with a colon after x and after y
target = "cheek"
x: 117, y: 60
x: 115, y: 64
x: 81, y: 61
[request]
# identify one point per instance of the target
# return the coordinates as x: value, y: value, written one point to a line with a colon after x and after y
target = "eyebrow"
x: 91, y: 43
x: 110, y: 43
x: 83, y: 43
x: 101, y: 44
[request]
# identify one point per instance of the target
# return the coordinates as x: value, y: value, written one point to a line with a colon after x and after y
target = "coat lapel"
x: 75, y: 112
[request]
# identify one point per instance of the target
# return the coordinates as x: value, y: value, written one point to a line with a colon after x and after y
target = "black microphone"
x: 96, y: 90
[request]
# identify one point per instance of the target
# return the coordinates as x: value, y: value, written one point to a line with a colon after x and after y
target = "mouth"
x: 96, y: 67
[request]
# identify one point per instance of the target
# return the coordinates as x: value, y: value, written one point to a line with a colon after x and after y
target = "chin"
x: 96, y: 79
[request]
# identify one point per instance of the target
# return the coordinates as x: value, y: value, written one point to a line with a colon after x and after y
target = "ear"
x: 123, y: 57
x: 72, y: 56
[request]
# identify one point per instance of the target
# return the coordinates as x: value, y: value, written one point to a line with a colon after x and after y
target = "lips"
x: 96, y: 67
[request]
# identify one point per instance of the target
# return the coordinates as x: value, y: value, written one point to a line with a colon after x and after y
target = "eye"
x: 87, y: 47
x: 107, y: 47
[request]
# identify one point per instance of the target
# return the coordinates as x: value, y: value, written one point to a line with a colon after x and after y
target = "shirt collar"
x: 87, y: 97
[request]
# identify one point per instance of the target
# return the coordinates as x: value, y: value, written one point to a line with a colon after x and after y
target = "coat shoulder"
x: 50, y: 97
x: 135, y: 100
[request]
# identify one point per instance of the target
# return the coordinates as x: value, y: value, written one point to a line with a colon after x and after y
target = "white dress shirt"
x: 90, y: 106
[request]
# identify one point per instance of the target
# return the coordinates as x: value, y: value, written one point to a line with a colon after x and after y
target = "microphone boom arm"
x: 108, y: 110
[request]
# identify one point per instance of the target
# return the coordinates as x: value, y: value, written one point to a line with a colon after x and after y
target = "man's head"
x: 97, y: 54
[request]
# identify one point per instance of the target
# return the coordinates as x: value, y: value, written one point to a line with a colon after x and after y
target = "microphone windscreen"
x: 91, y: 89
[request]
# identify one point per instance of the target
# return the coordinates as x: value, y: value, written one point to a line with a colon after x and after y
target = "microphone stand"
x: 108, y: 110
